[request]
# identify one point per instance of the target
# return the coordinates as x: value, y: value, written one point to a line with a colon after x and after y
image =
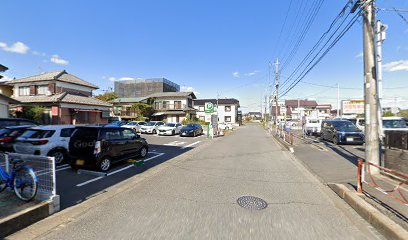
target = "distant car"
x: 8, y: 136
x: 51, y: 140
x: 116, y: 124
x: 341, y: 132
x: 151, y: 127
x: 135, y: 125
x: 191, y: 130
x: 312, y: 126
x: 169, y: 129
x: 7, y: 122
x: 100, y: 147
x: 226, y: 126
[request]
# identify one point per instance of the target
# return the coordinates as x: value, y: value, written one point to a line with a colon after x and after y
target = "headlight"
x: 191, y: 131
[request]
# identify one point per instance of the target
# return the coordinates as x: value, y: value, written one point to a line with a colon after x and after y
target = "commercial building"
x: 227, y: 110
x: 136, y: 88
x: 66, y: 99
x: 352, y: 107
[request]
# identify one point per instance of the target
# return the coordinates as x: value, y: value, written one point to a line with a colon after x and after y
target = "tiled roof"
x: 221, y: 101
x: 302, y: 103
x: 172, y: 94
x: 128, y: 100
x: 61, y: 75
x: 63, y: 98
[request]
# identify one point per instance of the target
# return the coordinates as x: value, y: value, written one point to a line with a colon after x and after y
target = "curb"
x: 378, y: 220
x: 68, y: 215
x: 284, y: 144
x: 24, y: 218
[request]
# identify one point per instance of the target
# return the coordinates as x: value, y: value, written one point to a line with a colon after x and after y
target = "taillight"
x: 39, y: 142
x: 6, y: 139
x: 97, y: 148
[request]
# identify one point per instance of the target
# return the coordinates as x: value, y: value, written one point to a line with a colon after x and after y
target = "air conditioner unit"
x: 48, y: 93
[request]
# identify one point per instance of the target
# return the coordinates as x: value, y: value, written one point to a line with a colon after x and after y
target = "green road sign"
x: 209, y: 107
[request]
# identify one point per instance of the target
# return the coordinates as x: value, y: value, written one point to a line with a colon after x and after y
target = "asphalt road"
x: 197, y: 199
x: 75, y: 187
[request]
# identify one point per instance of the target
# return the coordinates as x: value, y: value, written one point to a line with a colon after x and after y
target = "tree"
x: 107, y: 96
x: 388, y: 114
x: 403, y: 113
x: 143, y: 109
x: 35, y: 113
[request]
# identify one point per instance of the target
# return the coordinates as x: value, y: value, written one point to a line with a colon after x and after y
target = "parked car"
x: 151, y: 127
x: 191, y: 130
x: 169, y: 129
x: 51, y: 140
x: 135, y: 125
x: 7, y: 122
x: 100, y: 147
x: 8, y: 136
x: 114, y: 119
x: 341, y: 132
x: 312, y: 126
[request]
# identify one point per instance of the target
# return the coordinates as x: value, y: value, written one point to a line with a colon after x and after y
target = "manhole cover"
x: 251, y: 202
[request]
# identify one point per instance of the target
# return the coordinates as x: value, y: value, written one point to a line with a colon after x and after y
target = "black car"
x: 341, y: 132
x: 8, y: 136
x: 99, y: 147
x: 7, y: 122
x: 191, y: 130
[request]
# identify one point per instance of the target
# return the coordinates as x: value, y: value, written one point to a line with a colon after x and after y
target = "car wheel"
x: 74, y: 166
x: 335, y: 140
x: 104, y: 164
x: 154, y: 131
x: 143, y: 152
x: 173, y: 132
x: 58, y: 155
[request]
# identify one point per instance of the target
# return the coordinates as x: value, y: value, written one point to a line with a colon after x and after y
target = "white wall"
x: 222, y: 113
x: 4, y: 109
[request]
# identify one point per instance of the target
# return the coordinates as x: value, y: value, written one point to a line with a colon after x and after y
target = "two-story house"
x: 5, y: 99
x: 227, y: 109
x: 66, y: 98
x: 173, y: 107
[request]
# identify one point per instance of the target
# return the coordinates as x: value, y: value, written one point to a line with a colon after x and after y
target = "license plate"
x: 350, y: 139
x: 183, y: 134
x: 80, y: 162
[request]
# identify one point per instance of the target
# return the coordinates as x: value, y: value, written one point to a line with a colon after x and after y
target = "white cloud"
x: 360, y: 55
x: 401, y: 65
x: 252, y: 73
x: 188, y: 89
x: 236, y: 74
x: 36, y: 53
x: 57, y: 60
x: 17, y: 47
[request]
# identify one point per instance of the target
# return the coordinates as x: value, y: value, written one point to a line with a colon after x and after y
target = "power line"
x: 283, y: 26
x: 401, y: 16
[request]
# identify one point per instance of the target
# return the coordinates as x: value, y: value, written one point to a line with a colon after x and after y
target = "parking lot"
x: 75, y: 187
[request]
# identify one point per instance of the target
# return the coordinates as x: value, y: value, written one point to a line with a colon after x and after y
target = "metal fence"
x: 285, y: 135
x: 44, y: 168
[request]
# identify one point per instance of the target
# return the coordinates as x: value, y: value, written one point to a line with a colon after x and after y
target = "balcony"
x: 163, y: 107
x: 126, y: 113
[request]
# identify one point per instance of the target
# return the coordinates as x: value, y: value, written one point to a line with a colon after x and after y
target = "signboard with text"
x: 352, y: 107
x: 209, y: 107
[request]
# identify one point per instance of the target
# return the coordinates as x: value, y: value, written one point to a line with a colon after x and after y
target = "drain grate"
x: 251, y: 202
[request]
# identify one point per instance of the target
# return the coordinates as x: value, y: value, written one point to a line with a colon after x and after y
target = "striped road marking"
x: 192, y: 144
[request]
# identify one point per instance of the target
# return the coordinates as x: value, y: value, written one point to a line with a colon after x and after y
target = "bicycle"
x: 22, y: 179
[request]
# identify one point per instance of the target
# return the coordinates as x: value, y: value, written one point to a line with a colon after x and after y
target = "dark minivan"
x: 341, y: 132
x: 99, y: 147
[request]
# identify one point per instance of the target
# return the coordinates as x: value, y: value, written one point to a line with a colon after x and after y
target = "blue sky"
x: 211, y: 47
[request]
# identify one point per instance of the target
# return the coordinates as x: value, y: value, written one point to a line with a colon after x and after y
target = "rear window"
x: 87, y: 133
x: 4, y: 132
x: 66, y: 132
x: 170, y: 125
x: 38, y: 133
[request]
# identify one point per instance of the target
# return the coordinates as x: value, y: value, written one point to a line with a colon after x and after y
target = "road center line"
x: 192, y: 144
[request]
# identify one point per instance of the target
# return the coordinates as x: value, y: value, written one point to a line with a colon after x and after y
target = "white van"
x: 312, y: 126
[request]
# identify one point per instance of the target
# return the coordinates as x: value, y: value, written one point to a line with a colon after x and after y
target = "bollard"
x: 359, y: 170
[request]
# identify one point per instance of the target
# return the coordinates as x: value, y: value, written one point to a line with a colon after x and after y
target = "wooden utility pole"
x: 277, y: 93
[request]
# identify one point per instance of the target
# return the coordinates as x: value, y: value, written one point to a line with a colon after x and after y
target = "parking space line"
x: 64, y: 168
x: 151, y: 158
x: 120, y: 170
x: 192, y: 144
x: 89, y: 181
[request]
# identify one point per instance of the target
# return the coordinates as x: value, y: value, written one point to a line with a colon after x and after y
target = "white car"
x: 52, y: 140
x: 151, y: 127
x: 312, y: 126
x: 134, y: 125
x: 170, y: 129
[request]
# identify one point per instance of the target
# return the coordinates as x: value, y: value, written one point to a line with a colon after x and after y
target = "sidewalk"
x: 337, y: 165
x: 196, y: 198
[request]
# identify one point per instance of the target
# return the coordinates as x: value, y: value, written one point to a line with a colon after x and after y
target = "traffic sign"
x: 209, y: 107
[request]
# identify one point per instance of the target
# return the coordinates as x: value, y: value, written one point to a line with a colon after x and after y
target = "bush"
x: 32, y: 113
x: 193, y: 121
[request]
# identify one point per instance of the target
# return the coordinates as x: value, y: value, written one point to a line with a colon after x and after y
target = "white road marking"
x: 120, y: 170
x: 159, y: 154
x: 192, y: 144
x: 64, y: 168
x: 175, y: 143
x: 89, y: 181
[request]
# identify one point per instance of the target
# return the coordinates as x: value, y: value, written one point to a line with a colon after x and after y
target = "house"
x: 227, y: 109
x: 66, y: 99
x: 122, y: 107
x: 5, y: 93
x: 296, y: 109
x: 173, y: 106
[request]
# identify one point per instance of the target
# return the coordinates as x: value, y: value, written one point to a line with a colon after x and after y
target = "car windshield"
x: 170, y: 125
x: 345, y: 125
x: 142, y: 123
x: 151, y: 124
x: 34, y: 133
x: 394, y: 123
x: 4, y: 132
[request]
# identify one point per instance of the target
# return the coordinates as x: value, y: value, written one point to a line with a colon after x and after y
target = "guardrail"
x: 364, y: 169
x: 44, y: 168
x: 285, y: 135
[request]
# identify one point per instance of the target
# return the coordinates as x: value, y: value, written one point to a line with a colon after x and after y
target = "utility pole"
x: 277, y: 88
x: 338, y: 100
x: 380, y: 34
x: 372, y: 149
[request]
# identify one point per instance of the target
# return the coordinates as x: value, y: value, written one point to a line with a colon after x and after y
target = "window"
x: 228, y: 108
x: 165, y: 104
x: 42, y: 89
x: 112, y: 135
x: 38, y: 134
x: 227, y: 118
x: 201, y: 108
x: 177, y: 104
x: 128, y: 134
x: 66, y: 132
x: 24, y: 91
